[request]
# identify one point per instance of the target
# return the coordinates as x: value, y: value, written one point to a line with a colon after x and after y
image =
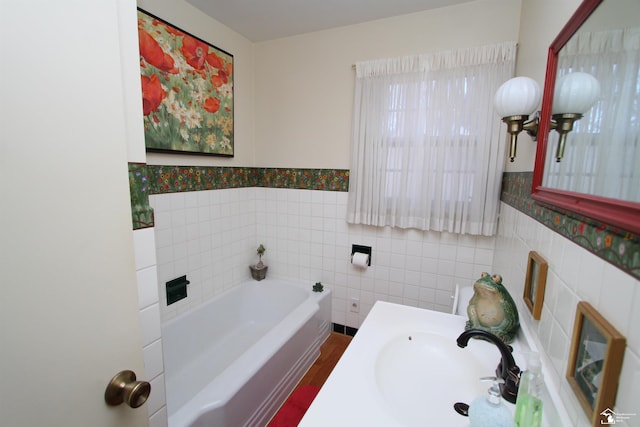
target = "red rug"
x: 295, y: 407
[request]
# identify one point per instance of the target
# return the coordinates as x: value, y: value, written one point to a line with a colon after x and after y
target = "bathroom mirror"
x: 599, y: 175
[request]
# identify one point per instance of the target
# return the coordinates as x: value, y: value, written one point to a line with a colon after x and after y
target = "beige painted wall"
x: 294, y: 96
x: 304, y: 84
x: 183, y: 15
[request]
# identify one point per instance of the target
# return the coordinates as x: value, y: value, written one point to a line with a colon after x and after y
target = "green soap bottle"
x: 529, y: 401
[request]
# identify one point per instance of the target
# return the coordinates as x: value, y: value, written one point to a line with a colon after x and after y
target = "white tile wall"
x: 308, y: 239
x: 146, y: 273
x: 212, y: 236
x: 574, y: 275
x: 208, y: 235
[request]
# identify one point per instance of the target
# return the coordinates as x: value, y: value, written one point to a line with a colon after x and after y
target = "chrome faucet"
x: 507, y: 368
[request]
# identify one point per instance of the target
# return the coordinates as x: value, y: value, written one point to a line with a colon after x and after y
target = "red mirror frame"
x: 614, y: 212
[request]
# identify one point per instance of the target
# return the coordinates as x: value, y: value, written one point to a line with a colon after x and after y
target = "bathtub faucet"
x: 507, y: 368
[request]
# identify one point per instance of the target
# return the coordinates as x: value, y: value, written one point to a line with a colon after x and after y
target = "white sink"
x: 421, y: 374
x: 404, y: 368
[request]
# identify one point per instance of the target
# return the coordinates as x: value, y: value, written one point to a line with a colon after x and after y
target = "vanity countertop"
x: 394, y: 373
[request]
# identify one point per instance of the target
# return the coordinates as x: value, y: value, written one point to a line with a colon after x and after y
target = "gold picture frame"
x: 534, y: 284
x: 595, y: 361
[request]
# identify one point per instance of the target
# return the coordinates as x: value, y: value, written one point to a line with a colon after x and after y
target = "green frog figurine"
x: 492, y: 309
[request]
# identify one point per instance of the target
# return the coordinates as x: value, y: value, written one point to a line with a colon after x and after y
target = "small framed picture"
x: 534, y: 284
x: 595, y: 360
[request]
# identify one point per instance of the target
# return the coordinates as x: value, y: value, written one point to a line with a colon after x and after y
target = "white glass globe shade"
x: 575, y: 93
x: 519, y: 96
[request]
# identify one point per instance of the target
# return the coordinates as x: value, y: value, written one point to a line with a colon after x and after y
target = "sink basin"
x: 420, y: 375
x: 404, y: 368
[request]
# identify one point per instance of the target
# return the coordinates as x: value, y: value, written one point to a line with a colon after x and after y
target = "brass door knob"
x: 124, y: 388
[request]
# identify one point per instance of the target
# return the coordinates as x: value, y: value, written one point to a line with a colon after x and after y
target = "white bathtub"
x: 232, y: 361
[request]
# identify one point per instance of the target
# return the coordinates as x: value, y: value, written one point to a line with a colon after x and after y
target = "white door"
x: 68, y: 302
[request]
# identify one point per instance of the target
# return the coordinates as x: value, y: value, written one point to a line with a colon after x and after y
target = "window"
x: 426, y: 149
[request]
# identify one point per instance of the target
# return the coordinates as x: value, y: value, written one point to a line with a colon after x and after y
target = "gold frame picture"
x: 595, y: 361
x: 534, y: 284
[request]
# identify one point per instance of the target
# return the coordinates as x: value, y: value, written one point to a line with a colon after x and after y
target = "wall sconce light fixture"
x: 519, y: 97
x: 574, y: 95
x: 515, y: 100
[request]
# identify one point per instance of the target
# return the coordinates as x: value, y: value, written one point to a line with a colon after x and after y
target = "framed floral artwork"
x: 187, y: 90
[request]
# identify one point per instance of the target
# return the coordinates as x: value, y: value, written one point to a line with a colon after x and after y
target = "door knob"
x: 124, y: 388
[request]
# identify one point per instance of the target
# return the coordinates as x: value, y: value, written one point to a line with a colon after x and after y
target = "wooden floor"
x: 330, y: 353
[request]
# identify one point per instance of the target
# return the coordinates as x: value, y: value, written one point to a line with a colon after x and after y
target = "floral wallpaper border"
x: 619, y: 248
x: 145, y: 180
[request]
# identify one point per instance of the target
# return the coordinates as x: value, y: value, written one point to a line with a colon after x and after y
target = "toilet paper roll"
x: 360, y: 260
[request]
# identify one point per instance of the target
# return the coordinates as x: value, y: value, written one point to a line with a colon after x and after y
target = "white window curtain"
x: 602, y: 152
x: 427, y: 146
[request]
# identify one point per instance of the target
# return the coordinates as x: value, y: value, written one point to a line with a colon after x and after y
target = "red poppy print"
x: 212, y: 105
x: 215, y: 61
x: 153, y: 54
x: 152, y: 94
x: 219, y: 79
x: 194, y: 52
x: 187, y: 92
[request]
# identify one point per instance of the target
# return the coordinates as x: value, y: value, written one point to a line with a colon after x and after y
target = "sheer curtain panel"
x: 427, y: 146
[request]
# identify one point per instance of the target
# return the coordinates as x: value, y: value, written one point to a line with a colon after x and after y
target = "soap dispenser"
x: 490, y: 411
x: 529, y: 402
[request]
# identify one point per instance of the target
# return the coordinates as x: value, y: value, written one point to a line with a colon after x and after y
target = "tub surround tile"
x: 153, y: 360
x: 157, y: 399
x: 144, y: 243
x: 159, y: 419
x: 150, y: 324
x: 147, y: 279
x: 148, y: 300
x: 210, y: 237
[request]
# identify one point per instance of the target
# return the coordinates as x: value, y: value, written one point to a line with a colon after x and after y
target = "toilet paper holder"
x: 361, y: 249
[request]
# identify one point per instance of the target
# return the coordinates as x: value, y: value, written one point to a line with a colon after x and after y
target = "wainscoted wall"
x: 574, y: 275
x: 146, y: 180
x: 620, y: 248
x: 209, y: 236
x: 617, y: 247
x: 146, y: 274
x: 581, y: 257
x: 312, y: 242
x: 212, y: 237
